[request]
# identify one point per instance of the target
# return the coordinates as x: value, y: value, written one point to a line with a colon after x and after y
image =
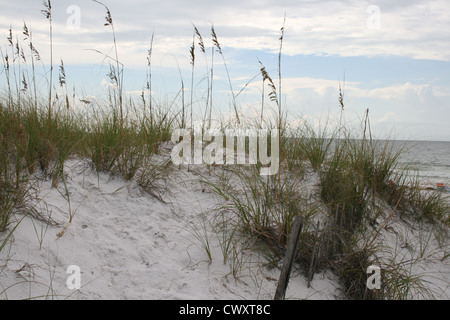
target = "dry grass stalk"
x: 219, y: 49
x: 47, y: 12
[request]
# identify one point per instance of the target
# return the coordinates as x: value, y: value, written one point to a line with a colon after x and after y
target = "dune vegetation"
x: 348, y: 185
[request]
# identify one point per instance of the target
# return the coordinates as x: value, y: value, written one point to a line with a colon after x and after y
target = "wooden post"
x: 311, y: 266
x: 294, y: 237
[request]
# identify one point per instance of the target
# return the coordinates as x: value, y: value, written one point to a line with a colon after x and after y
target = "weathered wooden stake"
x: 294, y: 237
x: 311, y: 266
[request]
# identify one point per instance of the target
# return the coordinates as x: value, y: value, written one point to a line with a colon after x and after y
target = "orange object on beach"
x: 440, y: 185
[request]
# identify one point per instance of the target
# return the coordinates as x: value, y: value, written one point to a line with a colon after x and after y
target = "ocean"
x: 431, y: 160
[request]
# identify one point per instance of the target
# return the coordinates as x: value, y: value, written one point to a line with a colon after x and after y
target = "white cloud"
x: 423, y: 93
x: 107, y: 84
x: 320, y: 86
x: 418, y: 29
x: 388, y: 117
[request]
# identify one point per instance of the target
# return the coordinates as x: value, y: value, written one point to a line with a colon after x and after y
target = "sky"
x: 391, y: 57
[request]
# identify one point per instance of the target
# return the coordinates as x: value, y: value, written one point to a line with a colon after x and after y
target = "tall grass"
x: 47, y: 12
x: 258, y: 208
x: 356, y: 170
x: 37, y: 136
x: 13, y: 187
x: 216, y: 43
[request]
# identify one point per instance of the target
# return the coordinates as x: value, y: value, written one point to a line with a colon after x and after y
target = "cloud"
x: 412, y: 109
x: 320, y: 86
x: 423, y: 94
x: 388, y: 117
x: 416, y: 29
x: 107, y: 84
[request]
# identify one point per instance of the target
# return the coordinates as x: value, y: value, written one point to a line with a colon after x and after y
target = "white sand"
x: 130, y: 245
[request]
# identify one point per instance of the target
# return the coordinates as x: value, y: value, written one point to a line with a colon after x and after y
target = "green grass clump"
x: 358, y: 170
x: 33, y: 145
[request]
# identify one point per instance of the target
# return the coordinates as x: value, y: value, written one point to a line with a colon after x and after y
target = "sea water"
x: 427, y: 161
x: 430, y: 160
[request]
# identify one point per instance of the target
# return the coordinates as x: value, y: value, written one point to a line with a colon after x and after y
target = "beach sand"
x: 130, y: 245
